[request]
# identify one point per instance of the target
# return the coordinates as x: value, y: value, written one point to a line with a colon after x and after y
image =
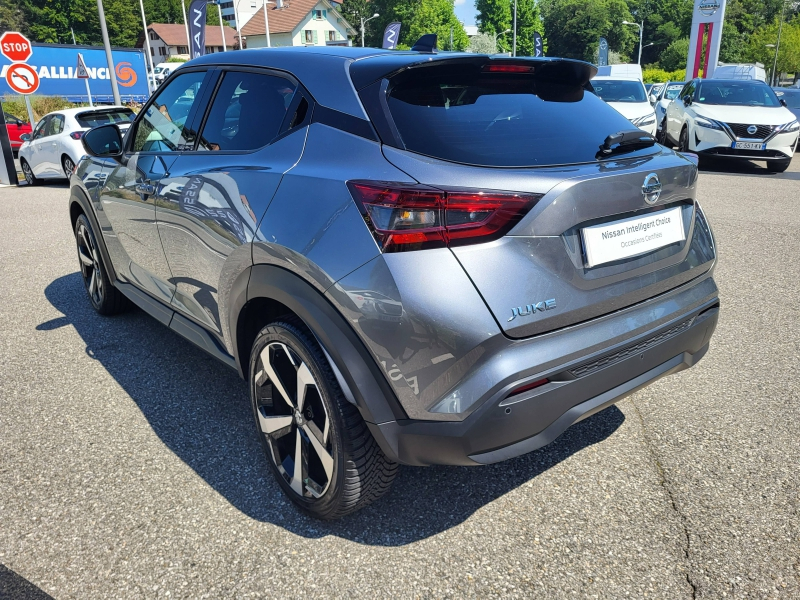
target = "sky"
x: 465, y: 11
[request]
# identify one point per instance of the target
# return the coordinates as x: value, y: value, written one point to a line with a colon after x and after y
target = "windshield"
x: 620, y: 90
x: 465, y: 115
x: 736, y: 93
x: 792, y: 98
x: 121, y: 116
x: 158, y: 70
x: 673, y: 90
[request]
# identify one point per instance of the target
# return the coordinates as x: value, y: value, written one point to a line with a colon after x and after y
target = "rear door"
x: 209, y: 204
x: 478, y: 131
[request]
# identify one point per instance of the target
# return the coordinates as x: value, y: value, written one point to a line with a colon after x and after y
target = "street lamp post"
x: 364, y: 22
x: 641, y: 31
x: 266, y: 23
x: 147, y: 44
x: 778, y: 44
x: 497, y: 35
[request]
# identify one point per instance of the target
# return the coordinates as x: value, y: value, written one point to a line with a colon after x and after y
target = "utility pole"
x: 514, y: 46
x: 112, y: 74
x: 147, y: 42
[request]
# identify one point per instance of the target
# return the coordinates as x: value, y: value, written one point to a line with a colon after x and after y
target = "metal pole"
x: 89, y: 93
x: 221, y: 28
x: 514, y: 46
x: 641, y: 31
x: 186, y: 25
x: 777, y: 46
x: 30, y: 111
x: 362, y: 32
x: 147, y: 41
x: 73, y: 36
x: 109, y: 59
x: 266, y: 24
x: 451, y: 38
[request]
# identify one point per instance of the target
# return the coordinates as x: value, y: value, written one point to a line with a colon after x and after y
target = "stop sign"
x: 15, y: 46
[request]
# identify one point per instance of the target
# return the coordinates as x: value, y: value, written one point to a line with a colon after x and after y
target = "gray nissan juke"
x: 412, y: 257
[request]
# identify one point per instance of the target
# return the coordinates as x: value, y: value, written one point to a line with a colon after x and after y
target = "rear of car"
x: 558, y: 278
x: 668, y: 92
x: 16, y: 127
x: 629, y: 98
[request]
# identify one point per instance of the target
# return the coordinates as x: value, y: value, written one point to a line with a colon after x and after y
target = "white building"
x: 298, y: 23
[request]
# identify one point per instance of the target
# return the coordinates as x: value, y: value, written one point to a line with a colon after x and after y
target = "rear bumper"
x: 506, y: 427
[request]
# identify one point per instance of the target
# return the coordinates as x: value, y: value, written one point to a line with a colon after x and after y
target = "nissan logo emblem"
x: 708, y: 7
x: 752, y: 129
x: 651, y: 189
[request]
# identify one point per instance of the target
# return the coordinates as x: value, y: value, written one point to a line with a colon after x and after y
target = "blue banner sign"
x: 56, y: 65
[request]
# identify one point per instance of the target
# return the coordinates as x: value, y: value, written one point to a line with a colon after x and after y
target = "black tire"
x: 105, y: 298
x: 779, y: 166
x: 67, y: 166
x: 683, y: 143
x: 662, y: 133
x: 30, y: 178
x: 337, y: 474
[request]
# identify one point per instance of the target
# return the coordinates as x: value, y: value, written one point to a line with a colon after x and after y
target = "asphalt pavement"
x: 130, y: 467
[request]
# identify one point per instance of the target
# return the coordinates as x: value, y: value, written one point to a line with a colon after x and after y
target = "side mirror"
x: 783, y: 101
x: 653, y: 98
x: 687, y: 100
x: 25, y: 137
x: 104, y: 141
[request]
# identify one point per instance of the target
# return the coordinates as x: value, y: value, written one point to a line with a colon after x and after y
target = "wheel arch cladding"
x: 79, y: 204
x: 273, y: 292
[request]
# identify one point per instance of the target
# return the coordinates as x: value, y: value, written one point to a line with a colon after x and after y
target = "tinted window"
x: 736, y: 93
x: 105, y: 117
x: 792, y: 98
x: 247, y: 111
x: 11, y: 119
x: 619, y: 90
x: 461, y: 114
x: 162, y: 127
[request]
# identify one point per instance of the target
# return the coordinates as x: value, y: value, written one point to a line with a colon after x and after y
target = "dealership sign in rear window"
x: 55, y: 64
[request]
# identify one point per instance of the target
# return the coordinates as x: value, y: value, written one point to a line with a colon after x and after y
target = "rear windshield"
x: 736, y: 93
x: 620, y: 90
x: 464, y: 115
x: 105, y: 117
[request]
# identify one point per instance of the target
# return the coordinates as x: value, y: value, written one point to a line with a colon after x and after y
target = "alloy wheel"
x: 294, y: 421
x: 26, y: 171
x: 69, y: 167
x: 90, y: 264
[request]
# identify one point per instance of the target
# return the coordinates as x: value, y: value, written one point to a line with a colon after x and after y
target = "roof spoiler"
x: 426, y: 44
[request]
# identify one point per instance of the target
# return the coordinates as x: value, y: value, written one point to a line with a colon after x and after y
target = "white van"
x: 629, y: 97
x: 163, y: 70
x: 740, y: 71
x: 624, y: 71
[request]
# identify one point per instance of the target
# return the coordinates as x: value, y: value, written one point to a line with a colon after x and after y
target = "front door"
x: 38, y: 142
x: 214, y: 195
x: 132, y: 184
x: 51, y: 147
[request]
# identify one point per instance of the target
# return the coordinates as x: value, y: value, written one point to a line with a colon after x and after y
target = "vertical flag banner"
x: 197, y: 28
x: 602, y: 54
x: 538, y: 49
x: 390, y: 36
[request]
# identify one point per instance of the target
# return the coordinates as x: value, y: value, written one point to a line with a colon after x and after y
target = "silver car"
x: 412, y: 258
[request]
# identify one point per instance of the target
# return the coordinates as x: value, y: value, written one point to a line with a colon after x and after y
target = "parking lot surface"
x: 130, y: 467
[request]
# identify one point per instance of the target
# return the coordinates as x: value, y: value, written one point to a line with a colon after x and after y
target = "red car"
x: 16, y: 127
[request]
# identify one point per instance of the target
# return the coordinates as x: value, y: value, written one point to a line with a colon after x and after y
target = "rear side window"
x: 465, y: 115
x: 105, y: 117
x: 247, y: 111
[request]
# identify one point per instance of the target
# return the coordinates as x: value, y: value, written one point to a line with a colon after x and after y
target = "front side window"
x: 736, y: 93
x: 39, y: 132
x: 247, y: 111
x: 619, y: 90
x: 672, y: 90
x: 11, y: 119
x: 163, y: 126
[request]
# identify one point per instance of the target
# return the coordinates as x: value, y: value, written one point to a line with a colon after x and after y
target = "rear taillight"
x: 76, y: 135
x: 416, y: 217
x: 507, y: 68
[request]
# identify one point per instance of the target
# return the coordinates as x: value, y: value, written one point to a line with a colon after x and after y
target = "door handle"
x: 146, y: 188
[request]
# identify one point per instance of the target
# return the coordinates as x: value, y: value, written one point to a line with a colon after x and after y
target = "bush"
x: 176, y: 59
x: 660, y: 75
x: 15, y: 105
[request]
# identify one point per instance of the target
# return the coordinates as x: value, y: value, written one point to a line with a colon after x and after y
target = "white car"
x: 667, y: 94
x: 739, y: 119
x: 54, y: 147
x: 163, y: 70
x: 629, y: 97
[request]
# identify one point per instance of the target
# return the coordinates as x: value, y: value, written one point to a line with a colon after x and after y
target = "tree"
x: 418, y: 17
x: 483, y: 43
x: 789, y: 52
x: 574, y: 27
x: 674, y: 57
x: 494, y: 17
x: 11, y: 16
x: 354, y: 10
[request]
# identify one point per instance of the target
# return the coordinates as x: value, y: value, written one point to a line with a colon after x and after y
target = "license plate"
x: 749, y: 146
x: 610, y: 242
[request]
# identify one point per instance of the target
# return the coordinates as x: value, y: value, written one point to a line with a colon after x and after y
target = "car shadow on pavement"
x: 200, y: 410
x: 744, y: 168
x: 16, y: 587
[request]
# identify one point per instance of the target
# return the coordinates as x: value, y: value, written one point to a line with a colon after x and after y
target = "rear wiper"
x: 623, y: 141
